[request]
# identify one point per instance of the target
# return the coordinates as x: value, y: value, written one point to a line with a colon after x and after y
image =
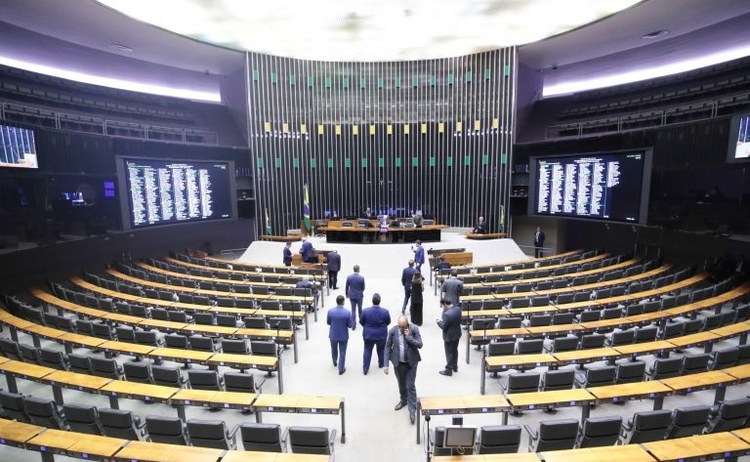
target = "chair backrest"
x: 743, y: 354
x: 688, y: 421
x: 510, y: 322
x: 235, y: 346
x: 672, y: 329
x: 43, y: 412
x: 558, y: 380
x: 725, y: 358
x: 501, y: 348
x: 263, y: 347
x: 530, y: 346
x: 226, y: 320
x: 540, y: 320
x: 137, y: 372
x: 105, y: 367
x: 523, y: 382
x: 53, y: 358
x: 264, y: 437
x: 611, y: 313
x: 592, y: 341
x: 556, y: 434
x: 438, y: 438
x: 623, y: 337
x: 204, y: 380
x: 82, y: 418
x: 79, y: 363
x: 160, y: 314
x: 29, y: 353
x: 646, y: 334
x: 103, y: 331
x: 648, y: 426
x: 732, y: 414
x: 589, y: 315
x: 237, y: 381
x: 200, y: 343
x: 10, y: 349
x: 563, y: 318
x: 168, y: 376
x: 12, y: 406
x: 666, y: 368
x: 692, y: 326
x: 176, y: 341
x: 692, y: 364
x: 499, y: 439
x: 203, y: 318
x: 630, y: 372
x: 146, y: 337
x: 119, y: 423
x: 210, y: 434
x: 255, y: 322
x: 125, y: 334
x: 564, y: 344
x: 168, y: 430
x: 600, y: 376
x: 599, y: 431
x: 309, y: 440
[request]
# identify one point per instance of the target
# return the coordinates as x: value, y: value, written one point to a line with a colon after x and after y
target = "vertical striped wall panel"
x: 431, y: 135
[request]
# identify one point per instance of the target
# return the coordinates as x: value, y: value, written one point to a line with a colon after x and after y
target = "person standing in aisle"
x: 402, y: 350
x: 334, y: 266
x: 415, y: 309
x: 418, y: 255
x: 355, y: 292
x: 538, y: 242
x: 406, y: 277
x: 340, y: 320
x: 375, y: 320
x: 450, y: 322
x: 288, y: 254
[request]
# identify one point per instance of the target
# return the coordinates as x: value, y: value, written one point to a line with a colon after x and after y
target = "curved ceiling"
x: 366, y: 30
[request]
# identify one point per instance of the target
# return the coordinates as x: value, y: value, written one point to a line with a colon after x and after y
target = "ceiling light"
x: 655, y: 34
x: 120, y: 47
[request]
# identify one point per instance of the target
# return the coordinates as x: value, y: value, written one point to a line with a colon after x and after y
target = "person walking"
x: 415, y: 309
x: 406, y: 278
x: 450, y: 322
x: 288, y: 254
x: 374, y: 320
x: 452, y: 288
x: 402, y: 350
x: 334, y: 266
x: 355, y: 292
x: 340, y: 320
x: 418, y: 255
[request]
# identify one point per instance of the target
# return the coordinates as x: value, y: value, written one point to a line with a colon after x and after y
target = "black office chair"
x: 553, y: 435
x: 530, y: 346
x: 205, y: 380
x: 722, y: 359
x: 200, y: 343
x: 558, y: 380
x: 499, y: 439
x: 630, y: 372
x: 310, y: 440
x: 12, y: 406
x: 263, y: 437
x: 137, y: 372
x: 239, y: 382
x: 118, y: 423
x: 211, y: 434
x: 564, y: 344
x: 521, y: 383
x: 693, y: 364
x: 592, y: 341
x: 599, y: 431
x: 665, y: 368
x: 54, y: 359
x: 168, y: 376
x: 597, y: 376
x: 44, y: 412
x: 82, y: 418
x: 10, y: 349
x: 106, y: 367
x: 646, y: 426
x: 730, y: 415
x: 688, y: 421
x: 170, y: 430
x: 79, y: 363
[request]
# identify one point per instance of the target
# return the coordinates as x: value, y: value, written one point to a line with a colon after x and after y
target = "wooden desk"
x: 517, y: 457
x: 86, y: 446
x: 713, y: 446
x: 626, y: 453
x: 263, y: 363
x: 615, y: 393
x: 645, y: 348
x: 252, y: 456
x: 233, y: 400
x: 73, y: 381
x: 301, y: 404
x: 17, y: 434
x: 12, y: 369
x: 558, y: 398
x: 472, y: 404
x: 586, y: 356
x: 337, y: 233
x: 71, y: 340
x: 688, y: 341
x: 702, y: 381
x: 160, y: 452
x: 117, y: 389
x: 504, y: 363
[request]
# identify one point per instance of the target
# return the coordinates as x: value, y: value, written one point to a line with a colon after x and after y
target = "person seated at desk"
x: 307, y: 251
x: 418, y: 219
x: 368, y: 213
x: 442, y: 264
x: 480, y: 227
x: 305, y: 283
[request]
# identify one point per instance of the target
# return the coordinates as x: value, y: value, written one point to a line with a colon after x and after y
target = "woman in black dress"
x: 415, y: 309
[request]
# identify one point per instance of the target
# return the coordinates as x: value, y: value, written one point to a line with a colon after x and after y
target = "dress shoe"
x: 335, y: 364
x: 412, y: 417
x: 446, y: 372
x: 365, y: 371
x: 400, y: 405
x: 455, y: 369
x: 341, y: 372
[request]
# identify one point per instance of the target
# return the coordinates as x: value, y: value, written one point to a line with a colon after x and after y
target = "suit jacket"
x: 451, y: 324
x: 412, y: 344
x: 480, y: 228
x: 452, y: 289
x: 306, y: 250
x: 340, y: 319
x: 407, y: 275
x: 375, y: 320
x: 287, y: 255
x: 334, y: 261
x: 539, y: 241
x: 419, y: 255
x: 355, y: 286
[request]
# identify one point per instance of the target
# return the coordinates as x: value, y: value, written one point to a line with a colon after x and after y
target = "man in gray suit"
x: 453, y: 287
x: 402, y: 349
x: 450, y: 322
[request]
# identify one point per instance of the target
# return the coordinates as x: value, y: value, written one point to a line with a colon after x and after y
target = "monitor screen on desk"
x: 460, y: 437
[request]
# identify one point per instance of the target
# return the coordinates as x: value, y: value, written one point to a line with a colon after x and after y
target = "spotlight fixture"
x: 120, y: 47
x: 655, y: 34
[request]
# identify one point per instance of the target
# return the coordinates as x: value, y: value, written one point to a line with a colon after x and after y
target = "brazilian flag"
x: 306, y: 208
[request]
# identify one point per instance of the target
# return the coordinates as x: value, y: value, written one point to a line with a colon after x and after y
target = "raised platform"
x: 335, y: 232
x: 485, y: 236
x: 289, y: 238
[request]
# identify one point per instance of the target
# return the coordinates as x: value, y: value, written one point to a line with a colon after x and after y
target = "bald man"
x: 402, y: 350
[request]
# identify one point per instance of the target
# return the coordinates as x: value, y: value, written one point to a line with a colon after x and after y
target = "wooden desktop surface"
x: 160, y: 452
x: 626, y: 453
x: 467, y: 403
x: 140, y: 390
x: 81, y: 382
x: 517, y: 457
x: 629, y: 390
x: 699, y: 381
x: 572, y: 397
x: 18, y: 432
x: 679, y: 449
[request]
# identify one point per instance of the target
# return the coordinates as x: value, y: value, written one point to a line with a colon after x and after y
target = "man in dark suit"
x: 480, y: 227
x: 402, y: 349
x: 538, y: 242
x: 305, y: 283
x: 355, y: 291
x: 418, y: 255
x: 288, y: 254
x: 406, y: 276
x: 450, y: 322
x: 307, y: 251
x: 334, y: 266
x: 374, y: 320
x: 340, y: 320
x: 452, y: 288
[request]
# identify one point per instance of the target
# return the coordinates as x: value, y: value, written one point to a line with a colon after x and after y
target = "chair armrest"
x: 332, y: 438
x: 579, y: 381
x: 533, y: 436
x: 627, y: 425
x: 231, y: 433
x: 259, y: 385
x: 221, y: 381
x: 183, y: 380
x: 285, y: 435
x: 504, y: 386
